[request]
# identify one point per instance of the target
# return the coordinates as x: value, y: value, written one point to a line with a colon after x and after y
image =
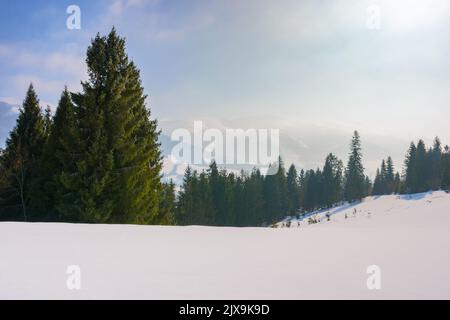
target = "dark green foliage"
x: 195, y: 204
x: 98, y: 160
x: 254, y: 199
x: 424, y: 169
x: 367, y: 186
x: 275, y: 193
x: 20, y: 161
x: 59, y: 154
x: 385, y: 180
x: 166, y: 212
x: 354, y: 173
x: 332, y: 178
x: 435, y: 165
x: 390, y: 176
x: 410, y: 174
x: 445, y: 167
x: 397, y: 183
x: 117, y: 176
x: 293, y: 191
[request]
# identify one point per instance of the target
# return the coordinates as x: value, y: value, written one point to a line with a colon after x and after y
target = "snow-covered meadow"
x: 407, y: 237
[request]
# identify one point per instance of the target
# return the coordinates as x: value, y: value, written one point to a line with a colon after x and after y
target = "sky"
x: 316, y: 70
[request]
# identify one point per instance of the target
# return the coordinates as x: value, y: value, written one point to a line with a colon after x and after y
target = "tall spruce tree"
x: 20, y: 160
x: 48, y: 121
x: 293, y: 189
x: 253, y: 199
x: 185, y: 203
x: 311, y: 190
x: 383, y: 175
x: 118, y: 175
x: 354, y: 173
x: 410, y: 170
x: 367, y: 186
x: 166, y: 212
x: 218, y: 190
x: 435, y: 162
x: 397, y: 183
x: 377, y: 184
x: 283, y: 188
x: 422, y: 167
x: 58, y: 156
x: 332, y: 180
x: 390, y: 176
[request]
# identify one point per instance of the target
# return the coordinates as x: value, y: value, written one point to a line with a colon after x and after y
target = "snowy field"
x: 408, y: 237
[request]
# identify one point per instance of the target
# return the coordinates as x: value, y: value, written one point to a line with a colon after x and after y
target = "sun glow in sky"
x: 408, y: 14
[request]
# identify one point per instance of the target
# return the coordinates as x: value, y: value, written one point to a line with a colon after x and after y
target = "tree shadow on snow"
x: 414, y: 196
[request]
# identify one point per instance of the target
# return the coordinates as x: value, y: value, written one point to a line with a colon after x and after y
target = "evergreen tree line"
x: 218, y: 197
x: 221, y: 198
x: 423, y: 170
x: 97, y: 160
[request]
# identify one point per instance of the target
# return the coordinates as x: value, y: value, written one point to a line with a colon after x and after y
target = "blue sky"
x: 312, y: 68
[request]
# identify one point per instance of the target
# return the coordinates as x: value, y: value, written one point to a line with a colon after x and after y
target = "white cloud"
x: 65, y: 63
x: 118, y: 7
x: 41, y: 85
x: 48, y: 71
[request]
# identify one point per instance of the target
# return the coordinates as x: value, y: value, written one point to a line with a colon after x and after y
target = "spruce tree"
x: 283, y: 189
x: 230, y: 200
x: 377, y: 184
x: 354, y: 173
x: 166, y: 212
x: 217, y: 185
x: 276, y: 193
x: 58, y: 157
x: 383, y: 180
x: 167, y: 207
x: 422, y: 167
x: 331, y: 180
x: 293, y: 189
x: 48, y: 121
x: 367, y: 186
x: 311, y: 190
x: 435, y: 156
x: 253, y: 199
x: 302, y: 185
x: 206, y: 212
x: 118, y: 175
x: 272, y: 197
x: 185, y: 203
x: 397, y: 183
x: 410, y: 170
x: 390, y: 177
x: 20, y: 159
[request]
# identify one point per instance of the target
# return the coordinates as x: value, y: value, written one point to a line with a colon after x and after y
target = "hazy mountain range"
x: 304, y: 144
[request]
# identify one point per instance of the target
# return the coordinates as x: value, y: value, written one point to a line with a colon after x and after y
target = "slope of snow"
x: 354, y: 213
x: 408, y: 237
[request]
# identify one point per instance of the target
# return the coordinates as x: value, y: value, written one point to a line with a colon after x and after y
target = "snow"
x: 408, y: 237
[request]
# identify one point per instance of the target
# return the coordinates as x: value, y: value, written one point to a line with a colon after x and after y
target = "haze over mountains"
x: 304, y: 144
